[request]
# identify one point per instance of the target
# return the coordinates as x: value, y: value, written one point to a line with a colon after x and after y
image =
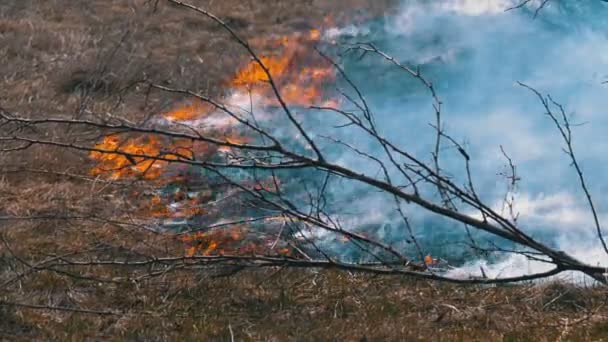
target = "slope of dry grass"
x: 282, y: 305
x: 71, y: 57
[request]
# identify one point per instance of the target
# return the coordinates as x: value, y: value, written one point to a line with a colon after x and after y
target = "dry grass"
x: 70, y: 57
x: 281, y: 305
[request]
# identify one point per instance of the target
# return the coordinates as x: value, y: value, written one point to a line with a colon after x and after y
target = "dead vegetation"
x: 71, y: 57
x: 283, y: 305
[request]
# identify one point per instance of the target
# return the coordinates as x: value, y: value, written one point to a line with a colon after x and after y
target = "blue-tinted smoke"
x: 475, y: 52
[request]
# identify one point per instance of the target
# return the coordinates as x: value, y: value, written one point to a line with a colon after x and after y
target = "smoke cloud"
x: 475, y: 52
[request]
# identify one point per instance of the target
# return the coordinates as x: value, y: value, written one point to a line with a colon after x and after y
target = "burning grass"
x: 302, y: 75
x: 67, y: 57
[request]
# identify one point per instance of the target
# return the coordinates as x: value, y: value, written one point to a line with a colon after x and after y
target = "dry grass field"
x: 80, y: 58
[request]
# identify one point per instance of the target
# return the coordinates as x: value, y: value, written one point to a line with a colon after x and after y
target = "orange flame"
x: 142, y: 156
x: 300, y: 75
x: 299, y: 72
x: 190, y: 111
x: 118, y: 159
x: 230, y: 241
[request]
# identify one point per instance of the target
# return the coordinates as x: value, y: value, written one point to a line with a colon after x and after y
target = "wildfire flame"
x: 144, y: 156
x: 231, y: 241
x: 300, y: 75
x: 190, y: 111
x: 121, y: 164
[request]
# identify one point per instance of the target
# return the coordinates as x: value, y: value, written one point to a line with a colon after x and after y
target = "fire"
x: 234, y: 139
x: 190, y: 111
x: 300, y: 75
x: 299, y: 72
x: 144, y: 156
x: 314, y: 35
x: 204, y: 243
x: 254, y: 73
x: 231, y: 241
x: 125, y: 161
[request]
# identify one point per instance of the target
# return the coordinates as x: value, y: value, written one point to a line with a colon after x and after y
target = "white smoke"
x: 562, y: 215
x: 474, y: 52
x: 475, y: 7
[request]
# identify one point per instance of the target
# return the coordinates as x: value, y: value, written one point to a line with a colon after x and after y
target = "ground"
x: 72, y: 57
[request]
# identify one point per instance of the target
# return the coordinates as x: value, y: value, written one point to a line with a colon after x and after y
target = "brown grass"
x: 56, y: 59
x: 279, y: 305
